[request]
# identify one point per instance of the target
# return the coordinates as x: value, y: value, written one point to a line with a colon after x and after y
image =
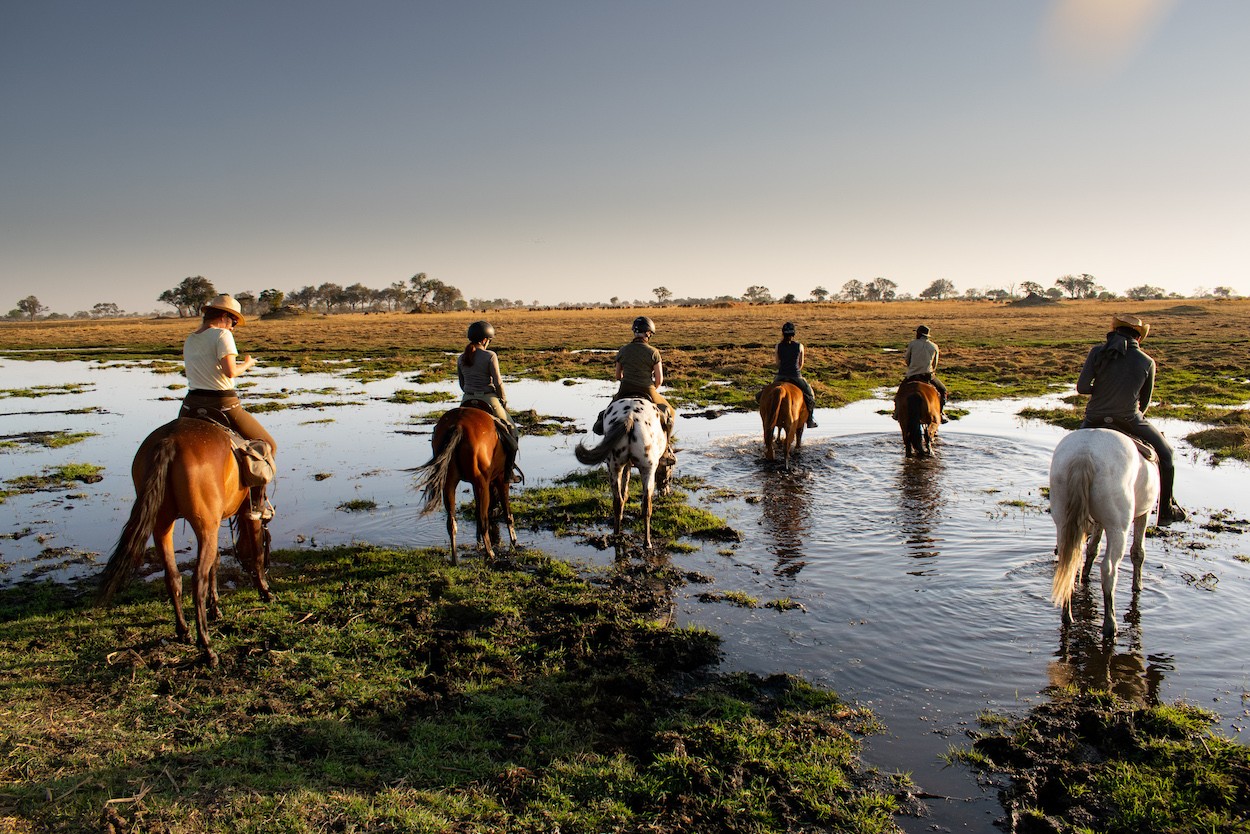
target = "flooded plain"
x: 923, y: 584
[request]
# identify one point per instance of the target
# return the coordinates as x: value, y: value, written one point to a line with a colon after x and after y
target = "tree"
x: 662, y: 294
x: 881, y: 289
x: 247, y: 302
x: 1223, y: 292
x: 854, y: 290
x: 357, y: 295
x: 1145, y: 292
x: 939, y: 289
x: 757, y: 294
x: 395, y: 296
x: 329, y: 294
x: 422, y: 288
x: 272, y: 299
x: 1054, y: 293
x: 447, y: 297
x: 304, y: 297
x: 614, y: 300
x: 1032, y: 287
x: 190, y: 296
x: 998, y: 294
x: 1078, y: 286
x: 820, y: 293
x: 30, y: 307
x: 105, y: 310
x: 790, y: 298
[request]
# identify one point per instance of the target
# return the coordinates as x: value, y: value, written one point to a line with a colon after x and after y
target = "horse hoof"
x: 210, y: 658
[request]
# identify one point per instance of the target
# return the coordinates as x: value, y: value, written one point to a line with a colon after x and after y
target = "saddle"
x: 257, y: 466
x: 1145, y: 449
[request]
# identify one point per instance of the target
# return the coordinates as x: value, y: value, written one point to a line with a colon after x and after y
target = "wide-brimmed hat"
x: 226, y: 304
x: 922, y: 330
x: 1131, y: 322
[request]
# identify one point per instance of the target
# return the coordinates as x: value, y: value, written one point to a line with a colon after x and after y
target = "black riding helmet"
x: 788, y: 329
x: 480, y: 330
x: 642, y: 324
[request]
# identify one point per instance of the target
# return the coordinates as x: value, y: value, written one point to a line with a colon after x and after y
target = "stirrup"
x: 1173, y: 513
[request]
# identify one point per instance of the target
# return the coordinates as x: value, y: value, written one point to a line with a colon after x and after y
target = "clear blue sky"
x: 575, y: 151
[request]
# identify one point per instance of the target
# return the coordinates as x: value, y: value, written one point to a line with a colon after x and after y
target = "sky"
x: 581, y: 150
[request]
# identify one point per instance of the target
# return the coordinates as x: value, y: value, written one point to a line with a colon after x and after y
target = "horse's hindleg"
x: 164, y: 539
x: 205, y: 568
x: 1091, y: 550
x: 620, y: 491
x: 505, y: 503
x: 481, y: 501
x: 1138, y: 551
x: 1116, y: 539
x: 449, y: 505
x: 214, y: 602
x: 648, y: 488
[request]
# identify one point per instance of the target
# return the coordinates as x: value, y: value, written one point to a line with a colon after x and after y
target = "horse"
x: 918, y: 410
x: 187, y: 469
x: 633, y: 435
x: 467, y: 447
x: 783, y: 411
x: 1099, y: 481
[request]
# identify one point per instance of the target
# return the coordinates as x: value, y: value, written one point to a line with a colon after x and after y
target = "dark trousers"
x: 1137, y: 426
x: 809, y: 396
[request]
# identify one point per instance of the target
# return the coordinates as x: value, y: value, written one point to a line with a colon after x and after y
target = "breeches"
x: 648, y: 393
x: 226, y: 411
x: 496, y: 408
x: 804, y: 386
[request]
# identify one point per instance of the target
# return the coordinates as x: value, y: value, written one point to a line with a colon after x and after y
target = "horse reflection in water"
x: 918, y: 489
x: 787, y: 518
x: 1090, y: 663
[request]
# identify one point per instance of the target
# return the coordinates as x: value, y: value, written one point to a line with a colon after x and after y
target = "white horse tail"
x: 598, y: 454
x: 1072, y: 526
x: 435, y: 472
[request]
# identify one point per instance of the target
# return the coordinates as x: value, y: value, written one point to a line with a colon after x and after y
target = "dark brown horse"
x: 918, y: 409
x: 187, y: 469
x: 784, y: 414
x: 467, y: 447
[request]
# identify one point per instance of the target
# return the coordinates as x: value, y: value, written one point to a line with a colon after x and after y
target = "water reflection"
x: 1089, y: 662
x: 786, y: 510
x: 918, y: 490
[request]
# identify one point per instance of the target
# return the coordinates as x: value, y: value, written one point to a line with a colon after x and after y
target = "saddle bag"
x: 256, y: 464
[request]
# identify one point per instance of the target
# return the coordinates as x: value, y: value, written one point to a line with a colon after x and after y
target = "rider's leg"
x: 809, y: 397
x: 1169, y: 510
x: 941, y: 389
x: 248, y: 426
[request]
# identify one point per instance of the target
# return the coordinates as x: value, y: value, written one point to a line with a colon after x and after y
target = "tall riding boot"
x: 1169, y: 510
x: 811, y: 413
x: 942, y: 405
x: 261, y: 509
x: 512, y: 444
x: 597, y: 428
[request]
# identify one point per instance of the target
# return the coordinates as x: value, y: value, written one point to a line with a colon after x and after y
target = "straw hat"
x: 226, y: 304
x: 1131, y: 322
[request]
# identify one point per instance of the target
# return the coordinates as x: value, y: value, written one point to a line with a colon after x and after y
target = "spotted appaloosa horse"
x: 918, y: 409
x: 467, y: 447
x: 1099, y: 481
x: 633, y: 435
x: 187, y: 469
x: 784, y: 414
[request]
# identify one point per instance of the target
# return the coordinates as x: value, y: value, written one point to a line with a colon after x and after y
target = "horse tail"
x: 1071, y: 528
x: 128, y: 554
x: 774, y: 419
x: 434, y: 473
x: 915, y: 426
x: 599, y: 453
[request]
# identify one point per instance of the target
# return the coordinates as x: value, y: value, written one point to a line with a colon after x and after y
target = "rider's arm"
x: 1147, y: 390
x: 1085, y: 382
x: 620, y: 371
x: 800, y: 360
x: 231, y: 367
x: 657, y: 373
x: 498, y: 380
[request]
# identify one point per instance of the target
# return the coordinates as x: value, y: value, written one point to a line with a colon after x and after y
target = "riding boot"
x: 597, y: 428
x: 666, y: 423
x: 942, y: 408
x: 512, y: 444
x: 260, y: 508
x: 811, y: 415
x: 1169, y: 510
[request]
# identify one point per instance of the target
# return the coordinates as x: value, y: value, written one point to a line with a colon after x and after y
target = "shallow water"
x: 924, y: 583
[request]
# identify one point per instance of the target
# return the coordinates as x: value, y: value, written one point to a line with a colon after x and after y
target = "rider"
x: 789, y: 365
x: 478, y: 371
x: 640, y: 371
x: 210, y: 359
x: 922, y: 362
x: 1119, y: 378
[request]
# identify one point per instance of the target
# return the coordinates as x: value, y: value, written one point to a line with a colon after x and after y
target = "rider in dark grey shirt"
x: 1119, y: 378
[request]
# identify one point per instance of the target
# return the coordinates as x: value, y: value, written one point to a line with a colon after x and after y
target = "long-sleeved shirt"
x: 921, y: 357
x: 1118, y: 377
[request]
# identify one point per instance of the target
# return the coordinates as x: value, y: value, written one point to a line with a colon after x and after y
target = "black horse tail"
x: 915, y: 427
x: 433, y: 474
x: 128, y: 555
x: 598, y: 454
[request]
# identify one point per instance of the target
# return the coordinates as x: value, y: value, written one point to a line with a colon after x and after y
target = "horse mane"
x: 131, y: 544
x: 434, y: 473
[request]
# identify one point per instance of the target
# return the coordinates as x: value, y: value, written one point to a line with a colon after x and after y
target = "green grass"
x: 357, y: 505
x: 387, y: 690
x: 57, y: 477
x: 406, y: 396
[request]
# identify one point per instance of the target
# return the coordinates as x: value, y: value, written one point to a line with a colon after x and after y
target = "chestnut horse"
x: 918, y: 409
x: 467, y: 447
x: 187, y: 469
x: 1099, y: 481
x: 633, y: 435
x: 783, y: 411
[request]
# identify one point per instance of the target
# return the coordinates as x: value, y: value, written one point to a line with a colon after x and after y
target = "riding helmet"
x: 642, y: 324
x: 480, y: 330
x: 788, y: 329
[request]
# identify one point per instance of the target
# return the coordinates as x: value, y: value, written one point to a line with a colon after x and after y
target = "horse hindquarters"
x: 914, y: 435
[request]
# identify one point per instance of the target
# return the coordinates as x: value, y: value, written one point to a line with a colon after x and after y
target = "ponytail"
x: 470, y: 353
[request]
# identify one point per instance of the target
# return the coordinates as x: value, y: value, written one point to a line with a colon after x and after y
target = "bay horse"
x: 187, y: 469
x: 918, y: 410
x: 784, y: 414
x: 467, y: 447
x: 633, y: 436
x: 1099, y: 481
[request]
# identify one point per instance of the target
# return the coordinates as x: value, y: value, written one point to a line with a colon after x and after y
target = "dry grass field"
x: 989, y: 350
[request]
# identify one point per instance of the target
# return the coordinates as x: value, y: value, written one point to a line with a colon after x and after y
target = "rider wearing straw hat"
x: 210, y: 359
x: 1119, y: 378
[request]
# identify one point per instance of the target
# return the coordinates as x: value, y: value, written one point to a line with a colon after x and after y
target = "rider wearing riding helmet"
x: 789, y: 366
x: 640, y: 370
x: 478, y: 371
x: 210, y: 359
x: 1119, y: 378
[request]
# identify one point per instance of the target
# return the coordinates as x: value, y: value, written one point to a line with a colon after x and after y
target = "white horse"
x: 1099, y: 481
x: 633, y: 435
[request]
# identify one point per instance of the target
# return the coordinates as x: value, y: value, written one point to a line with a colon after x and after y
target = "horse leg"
x: 201, y: 586
x: 505, y: 503
x: 769, y: 454
x: 164, y: 538
x: 620, y: 491
x: 214, y: 603
x: 449, y: 506
x: 1091, y: 550
x: 481, y: 503
x: 1116, y: 539
x: 1138, y: 551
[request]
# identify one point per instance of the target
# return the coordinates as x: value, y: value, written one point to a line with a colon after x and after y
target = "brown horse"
x: 782, y: 410
x: 187, y: 469
x: 918, y: 409
x: 467, y: 447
